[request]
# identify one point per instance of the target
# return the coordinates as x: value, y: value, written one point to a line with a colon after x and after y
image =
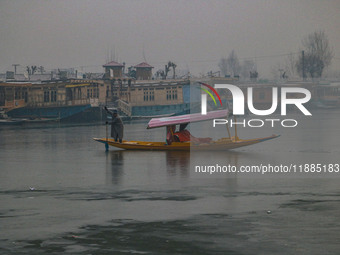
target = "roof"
x: 187, y: 118
x: 77, y: 85
x: 143, y: 65
x: 12, y: 84
x: 113, y: 64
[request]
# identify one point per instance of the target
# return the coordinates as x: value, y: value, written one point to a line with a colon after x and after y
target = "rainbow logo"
x: 209, y: 93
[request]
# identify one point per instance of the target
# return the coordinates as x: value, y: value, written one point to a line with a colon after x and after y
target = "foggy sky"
x: 194, y: 34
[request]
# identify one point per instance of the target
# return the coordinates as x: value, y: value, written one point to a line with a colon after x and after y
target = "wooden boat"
x: 5, y: 120
x: 231, y: 142
x: 41, y: 120
x: 10, y: 122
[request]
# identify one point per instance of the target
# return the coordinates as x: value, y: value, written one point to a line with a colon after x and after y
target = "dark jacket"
x: 117, y: 127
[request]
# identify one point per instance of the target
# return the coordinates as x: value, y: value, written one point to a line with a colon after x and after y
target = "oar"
x: 106, y: 144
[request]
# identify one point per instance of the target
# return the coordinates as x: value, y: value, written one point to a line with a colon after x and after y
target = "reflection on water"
x: 114, y: 166
x: 177, y: 163
x: 228, y: 157
x: 119, y: 163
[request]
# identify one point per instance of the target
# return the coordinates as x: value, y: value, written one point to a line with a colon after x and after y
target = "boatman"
x: 117, y: 127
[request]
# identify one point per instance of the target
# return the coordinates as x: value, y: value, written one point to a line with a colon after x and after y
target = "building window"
x: 171, y: 94
x: 25, y: 96
x: 46, y: 96
x: 146, y: 96
x: 174, y: 94
x: 168, y: 94
x: 53, y: 96
x: 17, y: 94
x: 79, y: 93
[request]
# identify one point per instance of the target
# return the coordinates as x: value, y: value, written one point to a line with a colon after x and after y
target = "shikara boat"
x: 5, y: 120
x: 10, y: 122
x: 174, y: 143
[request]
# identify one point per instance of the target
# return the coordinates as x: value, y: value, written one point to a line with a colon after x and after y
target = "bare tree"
x: 277, y: 70
x: 317, y: 54
x: 253, y: 75
x: 30, y: 71
x: 167, y: 69
x: 247, y: 67
x: 33, y: 69
x: 41, y: 69
x: 174, y: 69
x: 233, y: 63
x: 223, y: 65
x: 173, y: 66
x: 290, y: 65
x: 313, y: 65
x: 160, y: 73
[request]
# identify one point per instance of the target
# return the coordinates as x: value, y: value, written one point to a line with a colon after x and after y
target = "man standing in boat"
x: 117, y: 127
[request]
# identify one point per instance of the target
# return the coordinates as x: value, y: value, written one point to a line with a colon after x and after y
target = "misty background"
x: 193, y: 34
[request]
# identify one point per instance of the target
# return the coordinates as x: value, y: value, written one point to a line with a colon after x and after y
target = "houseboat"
x: 49, y: 100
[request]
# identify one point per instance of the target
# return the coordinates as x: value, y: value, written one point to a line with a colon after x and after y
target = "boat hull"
x: 221, y: 144
x: 53, y: 112
x: 8, y: 122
